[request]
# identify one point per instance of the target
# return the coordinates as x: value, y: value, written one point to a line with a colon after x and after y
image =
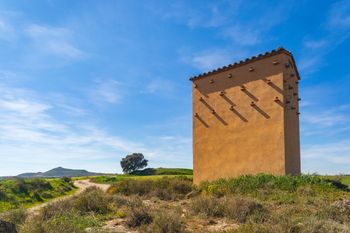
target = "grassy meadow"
x: 146, y: 174
x: 346, y: 180
x: 172, y: 204
x: 15, y: 193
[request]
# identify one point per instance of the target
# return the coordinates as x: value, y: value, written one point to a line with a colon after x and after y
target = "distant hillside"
x: 163, y: 171
x: 59, y: 172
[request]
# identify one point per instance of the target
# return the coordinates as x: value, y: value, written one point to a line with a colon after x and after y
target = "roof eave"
x: 246, y: 61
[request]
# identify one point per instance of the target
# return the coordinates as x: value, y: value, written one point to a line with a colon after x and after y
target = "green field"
x: 163, y: 171
x: 346, y: 180
x: 15, y: 193
x: 116, y: 178
x: 149, y: 173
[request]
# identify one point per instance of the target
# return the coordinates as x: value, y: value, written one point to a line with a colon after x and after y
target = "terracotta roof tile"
x: 246, y: 61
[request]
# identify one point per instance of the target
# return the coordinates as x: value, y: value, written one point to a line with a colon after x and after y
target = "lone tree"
x: 133, y: 162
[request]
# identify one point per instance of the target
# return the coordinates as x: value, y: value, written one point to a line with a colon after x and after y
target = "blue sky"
x: 83, y: 83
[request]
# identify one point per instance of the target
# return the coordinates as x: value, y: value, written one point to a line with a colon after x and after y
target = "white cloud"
x: 243, y: 35
x: 54, y: 40
x: 328, y: 150
x: 328, y: 122
x: 336, y: 27
x: 106, y: 91
x: 326, y: 158
x: 7, y: 32
x: 315, y: 44
x: 32, y: 134
x: 202, y: 15
x: 339, y: 17
x: 208, y: 59
x: 159, y: 86
x: 309, y: 64
x: 329, y: 117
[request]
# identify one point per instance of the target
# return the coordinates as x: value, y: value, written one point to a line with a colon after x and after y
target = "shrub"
x: 16, y: 216
x: 3, y: 195
x: 249, y: 184
x: 138, y: 215
x: 119, y: 200
x: 207, y: 205
x: 167, y: 222
x: 93, y: 200
x: 40, y: 184
x: 339, y: 211
x: 66, y: 179
x: 36, y: 196
x: 55, y: 208
x: 68, y: 222
x: 241, y: 209
x: 322, y: 226
x: 237, y: 208
x: 20, y: 187
x: 165, y: 188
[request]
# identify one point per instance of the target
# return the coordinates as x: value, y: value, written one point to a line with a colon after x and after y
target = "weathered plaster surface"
x: 244, y: 130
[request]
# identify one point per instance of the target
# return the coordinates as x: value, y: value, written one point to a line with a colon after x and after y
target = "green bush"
x: 3, y: 195
x: 66, y: 179
x: 20, y: 187
x: 249, y: 184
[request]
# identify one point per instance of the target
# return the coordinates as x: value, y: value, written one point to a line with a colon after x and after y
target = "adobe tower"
x: 246, y: 118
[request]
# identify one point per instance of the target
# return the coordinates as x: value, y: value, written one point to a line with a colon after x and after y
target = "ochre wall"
x: 246, y: 139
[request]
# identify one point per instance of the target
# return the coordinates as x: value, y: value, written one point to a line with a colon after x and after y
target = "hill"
x: 58, y: 172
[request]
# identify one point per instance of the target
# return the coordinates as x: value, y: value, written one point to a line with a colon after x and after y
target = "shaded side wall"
x: 292, y: 137
x: 244, y: 139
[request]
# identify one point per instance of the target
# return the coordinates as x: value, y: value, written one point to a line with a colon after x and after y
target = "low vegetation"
x: 15, y: 193
x: 146, y: 174
x: 262, y: 203
x: 166, y: 188
x: 345, y: 180
x: 163, y: 171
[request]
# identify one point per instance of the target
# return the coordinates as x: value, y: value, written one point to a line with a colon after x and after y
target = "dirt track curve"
x: 80, y: 184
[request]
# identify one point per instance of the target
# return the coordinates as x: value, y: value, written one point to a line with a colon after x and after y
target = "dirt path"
x: 80, y: 184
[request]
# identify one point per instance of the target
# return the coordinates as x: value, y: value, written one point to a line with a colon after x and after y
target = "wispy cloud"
x: 243, y: 35
x: 335, y: 31
x: 31, y: 132
x: 159, y: 86
x: 315, y: 44
x: 209, y: 59
x: 54, y: 40
x: 203, y: 15
x: 336, y: 157
x: 327, y: 122
x: 339, y: 16
x: 7, y: 32
x: 106, y: 91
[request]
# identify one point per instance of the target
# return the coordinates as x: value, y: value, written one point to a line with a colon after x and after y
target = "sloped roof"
x: 246, y: 61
